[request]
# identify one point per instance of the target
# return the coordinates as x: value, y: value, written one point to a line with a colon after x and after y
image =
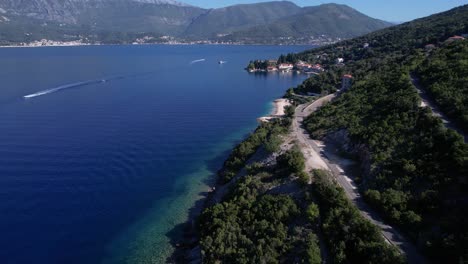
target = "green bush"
x: 292, y: 160
x: 312, y: 212
x: 304, y: 177
x: 313, y: 250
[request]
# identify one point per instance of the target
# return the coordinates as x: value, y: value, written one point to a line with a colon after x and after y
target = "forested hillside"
x: 331, y: 20
x: 270, y: 216
x: 228, y: 19
x: 413, y: 169
x: 445, y: 75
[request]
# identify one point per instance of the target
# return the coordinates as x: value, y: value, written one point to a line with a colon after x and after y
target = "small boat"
x: 221, y: 62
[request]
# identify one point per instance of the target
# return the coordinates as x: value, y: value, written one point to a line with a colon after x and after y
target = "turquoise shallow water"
x: 118, y: 144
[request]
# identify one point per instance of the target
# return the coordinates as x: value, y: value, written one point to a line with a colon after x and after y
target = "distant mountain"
x: 232, y: 18
x: 332, y: 20
x: 162, y: 16
x: 124, y: 21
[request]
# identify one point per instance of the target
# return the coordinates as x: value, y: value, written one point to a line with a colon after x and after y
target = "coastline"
x: 55, y: 45
x: 180, y: 235
x: 279, y: 105
x: 187, y: 247
x: 155, y: 44
x: 277, y: 110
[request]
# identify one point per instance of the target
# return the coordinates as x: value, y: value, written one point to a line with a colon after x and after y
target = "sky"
x: 389, y: 10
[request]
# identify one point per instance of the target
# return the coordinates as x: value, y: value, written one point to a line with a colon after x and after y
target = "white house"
x: 285, y: 67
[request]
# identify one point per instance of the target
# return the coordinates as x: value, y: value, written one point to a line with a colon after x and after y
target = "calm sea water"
x: 109, y: 158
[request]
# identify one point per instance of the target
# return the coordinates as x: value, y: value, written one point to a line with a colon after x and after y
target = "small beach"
x: 279, y: 105
x: 277, y: 111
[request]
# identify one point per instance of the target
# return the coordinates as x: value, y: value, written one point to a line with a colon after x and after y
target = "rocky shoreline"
x: 187, y: 247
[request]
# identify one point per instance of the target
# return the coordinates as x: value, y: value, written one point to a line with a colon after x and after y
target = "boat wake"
x: 195, y: 61
x: 71, y: 85
x: 90, y: 82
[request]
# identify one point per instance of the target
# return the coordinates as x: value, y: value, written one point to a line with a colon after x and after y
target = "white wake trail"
x: 66, y: 86
x: 195, y: 61
x: 89, y: 82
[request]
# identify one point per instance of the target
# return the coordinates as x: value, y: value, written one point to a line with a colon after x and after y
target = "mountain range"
x: 125, y: 20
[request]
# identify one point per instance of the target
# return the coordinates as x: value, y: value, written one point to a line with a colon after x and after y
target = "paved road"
x: 317, y: 157
x: 426, y: 100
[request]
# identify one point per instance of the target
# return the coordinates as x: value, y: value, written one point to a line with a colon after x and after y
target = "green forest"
x: 266, y: 134
x: 413, y: 169
x: 255, y: 224
x: 416, y: 168
x: 444, y: 73
x: 349, y: 236
x: 251, y: 225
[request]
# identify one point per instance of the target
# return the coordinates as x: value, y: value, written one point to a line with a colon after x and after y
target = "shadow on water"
x: 183, y: 237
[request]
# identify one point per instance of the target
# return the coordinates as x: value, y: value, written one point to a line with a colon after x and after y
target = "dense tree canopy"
x: 413, y: 169
x: 351, y: 238
x: 253, y: 226
x: 445, y: 74
x: 321, y: 84
x: 265, y: 133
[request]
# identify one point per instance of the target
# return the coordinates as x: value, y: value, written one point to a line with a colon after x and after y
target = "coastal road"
x: 426, y: 100
x: 318, y: 157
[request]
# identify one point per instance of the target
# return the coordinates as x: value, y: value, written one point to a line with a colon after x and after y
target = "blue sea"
x: 113, y: 145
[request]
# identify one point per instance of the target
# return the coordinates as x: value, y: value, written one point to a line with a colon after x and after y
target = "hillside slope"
x: 123, y: 21
x: 412, y: 168
x: 164, y: 17
x: 444, y: 74
x: 228, y: 19
x: 332, y: 20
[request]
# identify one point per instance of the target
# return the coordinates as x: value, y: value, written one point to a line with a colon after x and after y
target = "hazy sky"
x: 390, y: 10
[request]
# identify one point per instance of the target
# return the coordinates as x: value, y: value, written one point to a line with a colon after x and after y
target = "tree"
x: 289, y: 111
x: 304, y: 178
x: 312, y: 212
x: 292, y: 160
x: 273, y: 143
x: 313, y: 250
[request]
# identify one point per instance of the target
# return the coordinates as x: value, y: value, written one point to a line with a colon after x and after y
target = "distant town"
x: 258, y: 66
x: 170, y: 40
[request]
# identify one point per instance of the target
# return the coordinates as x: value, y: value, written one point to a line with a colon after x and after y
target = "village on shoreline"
x: 298, y: 67
x: 167, y: 40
